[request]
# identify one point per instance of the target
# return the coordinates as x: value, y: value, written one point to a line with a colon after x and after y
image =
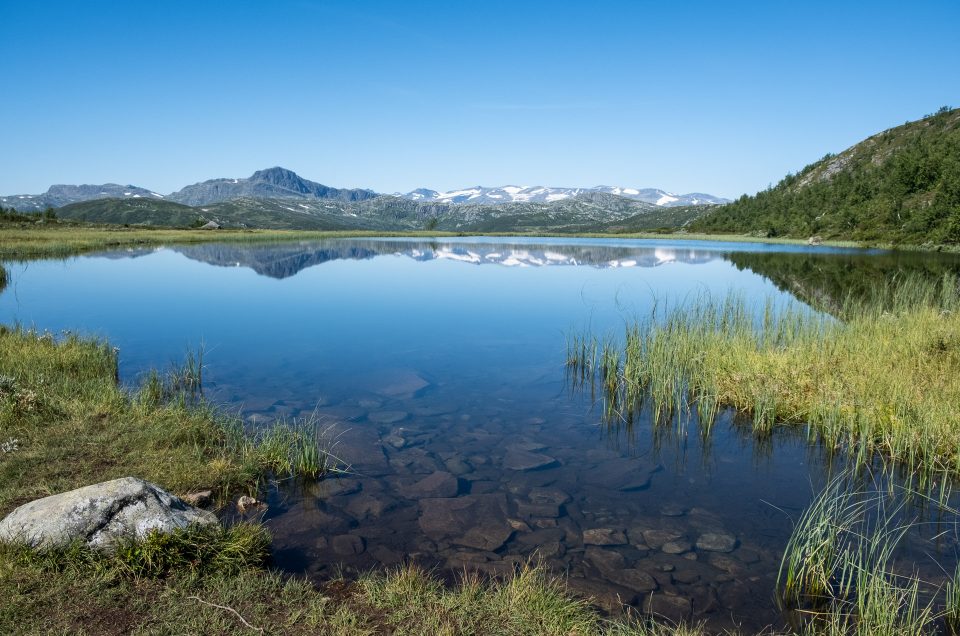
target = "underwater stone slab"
x: 402, y: 382
x: 525, y: 460
x: 605, y: 560
x: 439, y: 484
x: 100, y: 515
x: 474, y: 521
x: 387, y: 417
x: 347, y: 544
x: 633, y: 578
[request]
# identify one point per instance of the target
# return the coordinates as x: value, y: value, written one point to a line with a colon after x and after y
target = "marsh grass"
x: 530, y: 602
x: 881, y: 378
x: 75, y: 425
x: 840, y: 574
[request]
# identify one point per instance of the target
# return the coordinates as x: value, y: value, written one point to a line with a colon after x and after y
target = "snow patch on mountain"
x: 542, y: 194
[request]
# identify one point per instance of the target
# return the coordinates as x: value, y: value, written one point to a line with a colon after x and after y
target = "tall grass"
x: 839, y: 573
x: 881, y: 377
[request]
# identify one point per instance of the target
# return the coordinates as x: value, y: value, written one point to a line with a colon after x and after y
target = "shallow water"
x: 438, y: 367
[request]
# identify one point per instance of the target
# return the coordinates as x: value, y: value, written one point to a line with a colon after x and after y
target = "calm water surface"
x: 439, y: 368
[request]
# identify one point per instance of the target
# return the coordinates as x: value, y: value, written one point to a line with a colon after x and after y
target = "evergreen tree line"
x: 902, y: 188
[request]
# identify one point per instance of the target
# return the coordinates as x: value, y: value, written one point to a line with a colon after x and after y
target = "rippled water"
x: 438, y: 367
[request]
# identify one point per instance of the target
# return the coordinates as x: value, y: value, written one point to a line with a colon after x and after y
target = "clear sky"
x: 717, y: 97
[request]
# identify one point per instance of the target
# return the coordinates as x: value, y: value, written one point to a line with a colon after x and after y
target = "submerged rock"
x: 716, y: 542
x: 437, y: 484
x: 474, y: 521
x: 525, y: 460
x: 604, y: 536
x: 100, y: 515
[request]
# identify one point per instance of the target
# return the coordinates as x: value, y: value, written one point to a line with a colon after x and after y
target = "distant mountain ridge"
x: 281, y: 183
x: 272, y: 183
x: 60, y: 195
x: 542, y: 194
x: 590, y: 211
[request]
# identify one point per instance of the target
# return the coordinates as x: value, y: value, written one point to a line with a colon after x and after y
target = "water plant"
x: 880, y: 377
x: 839, y: 573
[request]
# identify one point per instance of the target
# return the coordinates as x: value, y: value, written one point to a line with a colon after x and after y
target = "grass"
x: 405, y: 601
x: 74, y: 425
x: 881, y: 379
x: 839, y: 574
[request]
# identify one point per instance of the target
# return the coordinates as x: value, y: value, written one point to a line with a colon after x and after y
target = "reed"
x: 880, y: 378
x: 839, y: 574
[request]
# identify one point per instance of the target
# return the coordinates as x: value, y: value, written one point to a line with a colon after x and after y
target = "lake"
x: 438, y: 369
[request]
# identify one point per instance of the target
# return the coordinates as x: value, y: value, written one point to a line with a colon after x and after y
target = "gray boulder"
x: 100, y: 514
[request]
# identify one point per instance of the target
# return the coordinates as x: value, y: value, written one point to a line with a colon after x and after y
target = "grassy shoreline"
x: 20, y: 241
x: 881, y: 380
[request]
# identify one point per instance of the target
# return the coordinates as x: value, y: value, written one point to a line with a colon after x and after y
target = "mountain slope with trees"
x: 899, y: 186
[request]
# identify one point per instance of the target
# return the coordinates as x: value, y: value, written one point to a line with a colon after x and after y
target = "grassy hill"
x: 899, y: 186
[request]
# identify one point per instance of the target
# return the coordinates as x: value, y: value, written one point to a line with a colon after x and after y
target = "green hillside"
x: 900, y: 186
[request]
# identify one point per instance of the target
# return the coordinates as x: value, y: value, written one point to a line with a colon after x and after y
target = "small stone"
x: 605, y: 560
x: 245, y: 503
x: 604, y: 536
x: 716, y: 542
x: 369, y: 403
x: 656, y: 538
x: 668, y: 606
x: 554, y: 549
x: 387, y: 417
x: 395, y: 441
x: 347, y: 544
x: 634, y: 579
x: 517, y: 524
x: 677, y: 546
x: 198, y: 498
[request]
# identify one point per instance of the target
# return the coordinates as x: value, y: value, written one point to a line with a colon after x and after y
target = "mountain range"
x: 541, y: 194
x: 280, y: 183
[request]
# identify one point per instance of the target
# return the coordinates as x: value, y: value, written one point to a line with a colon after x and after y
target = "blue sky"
x: 723, y: 98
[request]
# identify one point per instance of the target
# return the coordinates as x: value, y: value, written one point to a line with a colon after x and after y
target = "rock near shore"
x: 100, y: 515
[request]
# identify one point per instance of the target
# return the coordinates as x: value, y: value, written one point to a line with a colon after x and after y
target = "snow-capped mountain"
x: 541, y: 194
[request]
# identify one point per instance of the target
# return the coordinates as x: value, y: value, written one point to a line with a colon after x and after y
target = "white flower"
x: 11, y: 445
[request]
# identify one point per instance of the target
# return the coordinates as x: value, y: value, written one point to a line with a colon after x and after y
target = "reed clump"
x: 880, y: 377
x: 840, y: 573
